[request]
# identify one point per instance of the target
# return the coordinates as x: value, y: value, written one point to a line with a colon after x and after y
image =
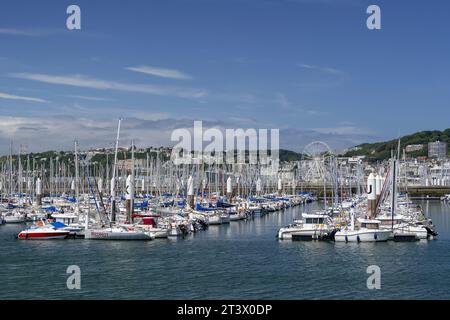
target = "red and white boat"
x: 43, y: 233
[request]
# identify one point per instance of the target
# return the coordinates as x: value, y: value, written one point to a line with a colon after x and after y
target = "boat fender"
x: 346, y: 239
x: 358, y: 239
x: 375, y: 236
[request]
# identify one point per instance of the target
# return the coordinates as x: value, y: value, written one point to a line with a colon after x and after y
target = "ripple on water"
x: 240, y: 261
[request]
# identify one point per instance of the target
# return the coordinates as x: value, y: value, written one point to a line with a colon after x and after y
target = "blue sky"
x: 310, y: 68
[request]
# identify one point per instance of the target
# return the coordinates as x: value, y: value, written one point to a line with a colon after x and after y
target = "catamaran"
x: 314, y: 225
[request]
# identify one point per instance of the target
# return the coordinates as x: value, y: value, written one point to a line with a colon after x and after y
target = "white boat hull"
x: 237, y: 216
x: 286, y: 233
x: 362, y: 236
x: 14, y: 219
x: 160, y: 233
x: 101, y: 234
x: 214, y: 220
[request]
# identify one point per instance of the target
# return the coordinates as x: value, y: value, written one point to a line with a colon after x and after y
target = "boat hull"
x: 286, y: 233
x: 214, y: 220
x: 112, y: 235
x: 237, y: 216
x: 366, y: 236
x: 14, y: 219
x: 42, y: 235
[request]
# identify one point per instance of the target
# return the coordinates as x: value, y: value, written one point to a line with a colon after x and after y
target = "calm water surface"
x: 240, y: 261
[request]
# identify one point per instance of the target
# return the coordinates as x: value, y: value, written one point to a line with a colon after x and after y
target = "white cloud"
x: 87, y: 97
x: 17, y: 32
x: 314, y: 112
x: 28, y: 32
x: 320, y: 68
x: 282, y: 100
x: 14, y: 97
x: 161, y: 72
x: 88, y: 82
x: 44, y: 133
x: 338, y: 138
x: 343, y: 130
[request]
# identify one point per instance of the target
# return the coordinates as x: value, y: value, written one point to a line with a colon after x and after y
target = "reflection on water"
x: 242, y: 260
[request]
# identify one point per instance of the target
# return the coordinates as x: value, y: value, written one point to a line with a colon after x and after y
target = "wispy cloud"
x: 88, y: 131
x: 341, y: 130
x: 282, y: 100
x: 27, y: 32
x: 88, y: 82
x: 43, y: 32
x: 161, y: 72
x: 315, y: 112
x: 153, y: 130
x: 246, y: 60
x: 337, y: 138
x: 14, y: 97
x: 87, y: 97
x: 17, y: 32
x: 320, y: 68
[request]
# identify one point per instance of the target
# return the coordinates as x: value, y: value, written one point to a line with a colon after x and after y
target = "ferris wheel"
x: 315, y: 155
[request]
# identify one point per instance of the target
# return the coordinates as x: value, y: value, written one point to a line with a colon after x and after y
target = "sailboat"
x: 405, y: 220
x: 367, y: 231
x: 117, y: 233
x: 14, y: 216
x: 120, y: 232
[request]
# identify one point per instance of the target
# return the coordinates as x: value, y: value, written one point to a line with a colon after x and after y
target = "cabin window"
x: 369, y: 225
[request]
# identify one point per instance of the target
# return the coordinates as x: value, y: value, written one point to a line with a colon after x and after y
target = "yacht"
x: 43, y: 232
x: 367, y: 231
x: 15, y: 217
x: 117, y: 233
x: 149, y: 224
x: 315, y: 225
x: 401, y: 226
x: 237, y: 215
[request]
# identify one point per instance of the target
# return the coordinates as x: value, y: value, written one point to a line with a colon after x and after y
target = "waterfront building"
x: 437, y: 150
x: 414, y: 148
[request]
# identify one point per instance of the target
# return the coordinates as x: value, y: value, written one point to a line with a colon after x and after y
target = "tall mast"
x: 394, y: 190
x: 77, y: 178
x: 10, y: 172
x: 20, y: 176
x: 132, y: 181
x: 147, y: 173
x: 113, y: 180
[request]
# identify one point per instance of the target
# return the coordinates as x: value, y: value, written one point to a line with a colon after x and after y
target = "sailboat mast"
x: 394, y: 191
x: 132, y: 182
x: 113, y: 180
x: 77, y: 178
x: 10, y: 172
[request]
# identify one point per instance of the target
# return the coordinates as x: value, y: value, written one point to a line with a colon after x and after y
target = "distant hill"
x: 100, y: 156
x: 382, y: 150
x: 287, y: 155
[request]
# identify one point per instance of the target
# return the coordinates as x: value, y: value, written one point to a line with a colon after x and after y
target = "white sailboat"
x: 117, y: 233
x: 368, y: 231
x: 121, y: 232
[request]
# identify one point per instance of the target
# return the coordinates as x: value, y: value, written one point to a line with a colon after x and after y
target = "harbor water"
x: 242, y: 260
